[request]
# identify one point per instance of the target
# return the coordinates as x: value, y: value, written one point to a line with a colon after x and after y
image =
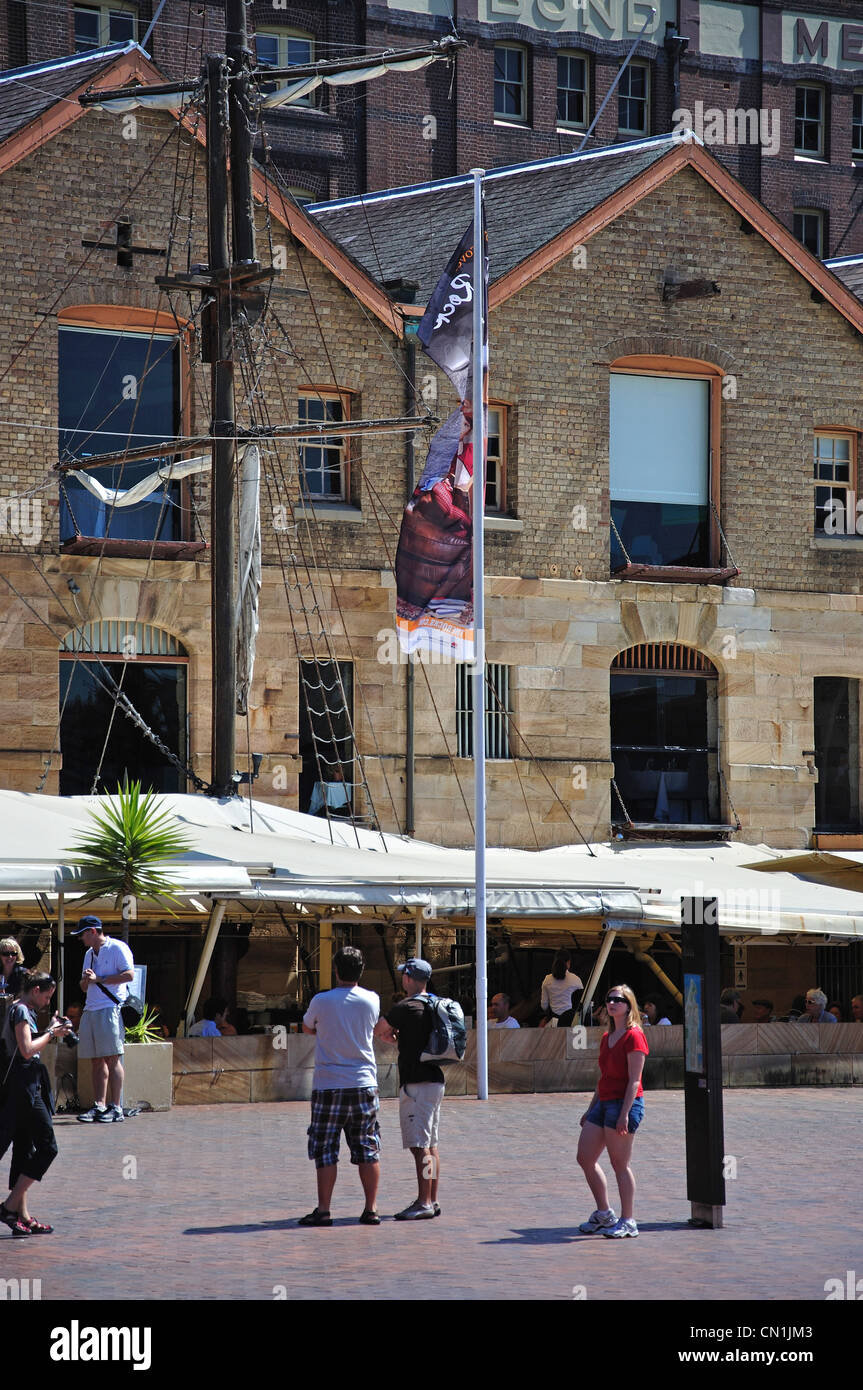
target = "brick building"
x: 775, y: 90
x: 730, y: 698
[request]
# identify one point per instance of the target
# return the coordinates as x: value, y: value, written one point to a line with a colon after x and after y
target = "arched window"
x: 664, y: 742
x: 121, y: 386
x: 98, y: 742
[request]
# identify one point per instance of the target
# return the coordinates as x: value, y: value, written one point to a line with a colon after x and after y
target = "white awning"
x: 286, y: 858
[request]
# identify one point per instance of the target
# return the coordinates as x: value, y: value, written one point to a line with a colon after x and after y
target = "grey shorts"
x: 419, y: 1113
x: 101, y: 1033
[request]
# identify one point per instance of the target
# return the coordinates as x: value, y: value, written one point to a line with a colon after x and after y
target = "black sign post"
x: 702, y: 1061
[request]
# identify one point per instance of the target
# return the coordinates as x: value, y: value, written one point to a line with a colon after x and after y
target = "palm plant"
x: 146, y: 1030
x: 124, y: 855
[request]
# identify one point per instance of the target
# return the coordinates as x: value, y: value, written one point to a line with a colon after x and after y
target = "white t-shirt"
x: 344, y: 1019
x: 509, y: 1022
x: 113, y: 958
x: 557, y: 994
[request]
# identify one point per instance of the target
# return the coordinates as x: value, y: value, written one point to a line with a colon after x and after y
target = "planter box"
x: 148, y: 1076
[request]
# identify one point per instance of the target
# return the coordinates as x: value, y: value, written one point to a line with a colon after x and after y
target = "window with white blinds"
x: 498, y: 710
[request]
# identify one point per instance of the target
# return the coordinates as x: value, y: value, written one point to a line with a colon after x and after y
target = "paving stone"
x: 219, y: 1187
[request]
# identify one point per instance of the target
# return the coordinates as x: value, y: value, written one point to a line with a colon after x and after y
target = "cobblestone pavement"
x: 211, y: 1211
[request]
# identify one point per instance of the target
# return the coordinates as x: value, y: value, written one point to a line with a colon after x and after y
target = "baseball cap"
x: 89, y: 923
x: 416, y: 969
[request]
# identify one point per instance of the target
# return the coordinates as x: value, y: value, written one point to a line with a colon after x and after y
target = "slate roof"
x: 848, y: 269
x: 26, y: 93
x: 409, y: 233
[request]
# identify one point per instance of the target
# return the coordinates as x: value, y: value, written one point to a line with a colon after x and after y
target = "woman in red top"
x: 614, y: 1115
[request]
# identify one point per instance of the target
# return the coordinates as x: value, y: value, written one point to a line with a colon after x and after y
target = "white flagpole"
x: 479, y: 638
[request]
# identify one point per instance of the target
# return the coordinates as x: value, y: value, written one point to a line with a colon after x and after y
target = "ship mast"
x: 230, y: 282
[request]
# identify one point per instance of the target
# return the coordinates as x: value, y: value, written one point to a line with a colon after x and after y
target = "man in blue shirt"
x: 215, y: 1013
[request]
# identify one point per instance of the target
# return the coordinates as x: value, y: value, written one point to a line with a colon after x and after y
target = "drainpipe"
x: 410, y: 469
x: 675, y: 46
x: 669, y: 985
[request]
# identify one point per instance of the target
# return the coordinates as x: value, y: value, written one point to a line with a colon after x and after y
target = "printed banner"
x: 434, y: 568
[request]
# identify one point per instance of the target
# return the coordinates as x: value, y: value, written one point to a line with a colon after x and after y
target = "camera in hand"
x: 71, y: 1039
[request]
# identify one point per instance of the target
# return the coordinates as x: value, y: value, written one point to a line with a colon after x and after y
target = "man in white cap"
x: 421, y: 1086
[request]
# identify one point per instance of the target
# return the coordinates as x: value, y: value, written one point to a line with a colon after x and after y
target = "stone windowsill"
x: 502, y: 523
x: 333, y: 511
x: 854, y: 544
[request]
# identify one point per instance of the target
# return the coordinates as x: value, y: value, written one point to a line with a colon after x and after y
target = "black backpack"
x: 448, y: 1037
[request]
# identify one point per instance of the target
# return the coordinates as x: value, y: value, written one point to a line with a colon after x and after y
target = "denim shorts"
x: 605, y: 1114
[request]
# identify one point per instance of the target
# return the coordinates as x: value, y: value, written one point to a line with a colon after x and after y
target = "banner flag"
x: 434, y: 569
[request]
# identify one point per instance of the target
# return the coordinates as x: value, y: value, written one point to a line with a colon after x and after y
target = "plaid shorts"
x: 353, y: 1110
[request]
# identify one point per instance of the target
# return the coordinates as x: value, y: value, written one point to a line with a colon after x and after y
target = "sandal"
x: 20, y: 1229
x: 36, y: 1228
x: 316, y: 1218
x: 370, y: 1218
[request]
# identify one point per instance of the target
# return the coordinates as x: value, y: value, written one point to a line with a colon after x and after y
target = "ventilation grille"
x: 664, y: 656
x: 116, y: 638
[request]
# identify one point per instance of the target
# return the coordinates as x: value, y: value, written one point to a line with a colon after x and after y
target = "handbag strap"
x: 105, y: 990
x: 9, y: 1068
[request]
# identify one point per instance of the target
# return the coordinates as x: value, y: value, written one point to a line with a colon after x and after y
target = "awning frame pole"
x: 598, y: 967
x: 217, y: 912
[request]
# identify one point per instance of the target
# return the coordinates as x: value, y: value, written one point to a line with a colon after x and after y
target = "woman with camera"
x: 26, y: 1109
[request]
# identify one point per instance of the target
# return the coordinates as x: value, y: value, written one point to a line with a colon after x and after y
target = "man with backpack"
x: 410, y: 1022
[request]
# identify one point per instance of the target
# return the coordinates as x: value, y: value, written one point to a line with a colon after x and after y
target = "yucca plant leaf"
x: 128, y: 847
x: 145, y: 1030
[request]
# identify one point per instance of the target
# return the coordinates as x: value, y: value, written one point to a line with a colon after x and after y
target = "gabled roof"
x: 27, y: 93
x: 410, y: 232
x: 38, y: 102
x: 538, y: 212
x: 848, y: 269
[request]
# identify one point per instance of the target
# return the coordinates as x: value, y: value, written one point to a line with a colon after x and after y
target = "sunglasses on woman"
x: 615, y: 999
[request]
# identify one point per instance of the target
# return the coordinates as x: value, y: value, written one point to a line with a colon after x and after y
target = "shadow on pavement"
x: 288, y: 1224
x: 566, y: 1235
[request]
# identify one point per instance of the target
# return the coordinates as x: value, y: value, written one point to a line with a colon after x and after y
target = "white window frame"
x: 283, y: 35
x: 621, y: 96
x: 501, y: 433
x: 326, y: 394
x: 857, y: 98
x: 584, y: 58
x: 842, y: 490
x: 520, y: 118
x: 818, y: 214
x: 105, y: 11
x: 498, y: 743
x: 821, y: 123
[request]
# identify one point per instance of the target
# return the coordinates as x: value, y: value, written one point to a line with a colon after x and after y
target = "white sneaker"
x: 599, y: 1221
x: 96, y: 1112
x: 621, y: 1228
